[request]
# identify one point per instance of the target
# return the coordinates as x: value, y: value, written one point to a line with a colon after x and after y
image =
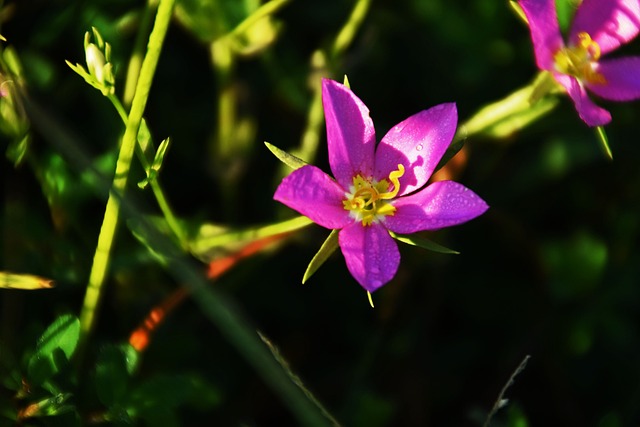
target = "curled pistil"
x: 367, y: 200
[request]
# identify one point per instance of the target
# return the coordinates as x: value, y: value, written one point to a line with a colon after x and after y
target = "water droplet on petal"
x: 419, y: 147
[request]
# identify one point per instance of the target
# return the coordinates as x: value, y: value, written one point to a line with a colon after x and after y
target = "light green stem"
x: 163, y: 203
x: 112, y: 211
x: 251, y: 234
x: 327, y: 64
x: 349, y: 30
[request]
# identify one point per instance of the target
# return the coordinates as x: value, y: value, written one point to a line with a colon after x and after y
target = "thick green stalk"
x: 112, y: 211
x: 133, y: 70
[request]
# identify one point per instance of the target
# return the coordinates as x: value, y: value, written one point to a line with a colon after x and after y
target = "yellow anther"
x: 366, y: 202
x: 578, y: 60
x: 589, y: 45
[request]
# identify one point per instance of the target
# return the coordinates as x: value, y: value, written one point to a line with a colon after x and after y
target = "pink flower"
x: 377, y: 190
x: 599, y: 27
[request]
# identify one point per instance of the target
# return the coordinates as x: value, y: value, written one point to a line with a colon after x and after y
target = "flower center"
x: 578, y: 60
x: 369, y: 201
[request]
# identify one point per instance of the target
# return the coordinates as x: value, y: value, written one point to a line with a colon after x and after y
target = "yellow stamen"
x: 367, y: 201
x: 578, y: 60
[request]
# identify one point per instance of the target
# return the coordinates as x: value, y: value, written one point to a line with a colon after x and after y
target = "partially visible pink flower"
x: 377, y: 190
x: 599, y: 27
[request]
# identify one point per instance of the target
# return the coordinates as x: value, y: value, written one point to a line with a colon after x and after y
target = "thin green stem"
x: 349, y: 30
x: 112, y: 211
x: 158, y: 193
x: 325, y: 64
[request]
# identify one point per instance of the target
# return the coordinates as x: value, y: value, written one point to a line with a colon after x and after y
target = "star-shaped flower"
x: 598, y: 28
x: 378, y: 190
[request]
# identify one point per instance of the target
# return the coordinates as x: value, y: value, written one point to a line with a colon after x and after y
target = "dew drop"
x: 419, y: 147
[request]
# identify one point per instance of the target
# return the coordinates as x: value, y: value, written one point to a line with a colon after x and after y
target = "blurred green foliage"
x: 552, y: 270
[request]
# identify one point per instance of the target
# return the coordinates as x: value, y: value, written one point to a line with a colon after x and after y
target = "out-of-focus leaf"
x: 201, y: 17
x: 423, y: 243
x: 575, y: 264
x: 17, y: 149
x: 506, y: 116
x: 210, y: 238
x: 258, y: 30
x: 328, y: 247
x: 54, y: 349
x: 565, y: 10
x: 50, y: 406
x: 112, y: 375
x: 167, y: 392
x: 24, y: 281
x: 288, y: 159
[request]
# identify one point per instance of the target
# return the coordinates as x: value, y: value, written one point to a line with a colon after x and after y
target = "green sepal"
x: 604, y: 141
x: 154, y: 168
x: 346, y: 82
x: 54, y: 349
x: 288, y: 159
x: 328, y: 247
x: 423, y: 243
x: 517, y: 9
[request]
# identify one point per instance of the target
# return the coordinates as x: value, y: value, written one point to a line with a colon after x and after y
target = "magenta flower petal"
x: 589, y: 112
x: 623, y: 79
x: 371, y: 254
x: 441, y: 204
x: 417, y: 143
x: 545, y: 32
x: 315, y: 195
x: 610, y: 23
x: 351, y: 138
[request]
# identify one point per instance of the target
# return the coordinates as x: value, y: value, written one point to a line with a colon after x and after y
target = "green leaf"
x: 54, y: 349
x: 112, y: 375
x: 167, y: 392
x: 604, y: 141
x: 288, y: 159
x: 54, y: 405
x: 17, y: 149
x: 328, y: 247
x: 423, y: 243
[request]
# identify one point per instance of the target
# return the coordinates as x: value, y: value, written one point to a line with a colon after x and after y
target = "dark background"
x: 552, y: 270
